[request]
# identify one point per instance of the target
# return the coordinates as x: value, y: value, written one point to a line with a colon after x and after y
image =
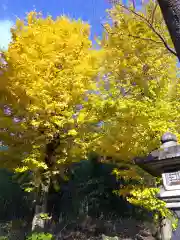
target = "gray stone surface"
x: 165, y: 159
x: 176, y: 234
x: 168, y: 137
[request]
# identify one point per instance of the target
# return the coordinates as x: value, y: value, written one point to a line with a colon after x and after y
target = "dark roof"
x: 160, y: 161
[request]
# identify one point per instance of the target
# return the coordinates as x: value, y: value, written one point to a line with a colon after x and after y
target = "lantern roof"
x: 165, y: 159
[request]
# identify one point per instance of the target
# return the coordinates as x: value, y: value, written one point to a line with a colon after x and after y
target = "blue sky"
x: 92, y: 11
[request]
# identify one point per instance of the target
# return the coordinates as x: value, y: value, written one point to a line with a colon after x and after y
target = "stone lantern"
x: 165, y: 162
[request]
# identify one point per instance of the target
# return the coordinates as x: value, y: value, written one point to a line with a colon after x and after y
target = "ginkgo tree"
x: 61, y: 98
x: 140, y: 86
x: 138, y: 81
x: 50, y: 69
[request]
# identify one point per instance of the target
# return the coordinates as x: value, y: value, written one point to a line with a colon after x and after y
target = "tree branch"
x: 153, y: 13
x: 151, y: 27
x: 133, y: 36
x: 106, y: 29
x: 145, y: 39
x: 134, y: 5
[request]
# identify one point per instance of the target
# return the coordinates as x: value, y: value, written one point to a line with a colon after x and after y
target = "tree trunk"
x: 171, y: 13
x: 38, y: 224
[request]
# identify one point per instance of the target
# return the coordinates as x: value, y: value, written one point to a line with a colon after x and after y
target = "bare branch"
x: 134, y: 5
x: 151, y: 27
x: 145, y: 39
x: 106, y: 28
x: 153, y: 13
x: 133, y: 36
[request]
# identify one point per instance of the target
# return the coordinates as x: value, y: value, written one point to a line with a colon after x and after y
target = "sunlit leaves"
x: 140, y: 87
x: 51, y: 67
x: 117, y: 100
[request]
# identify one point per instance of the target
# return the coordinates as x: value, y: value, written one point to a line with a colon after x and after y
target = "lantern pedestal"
x: 165, y: 162
x: 172, y: 199
x: 170, y: 193
x: 176, y: 233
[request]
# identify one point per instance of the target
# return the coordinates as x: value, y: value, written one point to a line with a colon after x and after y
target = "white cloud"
x: 5, y: 33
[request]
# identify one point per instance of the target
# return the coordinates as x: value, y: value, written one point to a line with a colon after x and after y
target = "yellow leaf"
x: 72, y: 132
x: 81, y: 117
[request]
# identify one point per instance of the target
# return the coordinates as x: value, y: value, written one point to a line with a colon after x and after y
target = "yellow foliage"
x: 140, y: 89
x: 147, y: 198
x: 51, y: 66
x: 137, y: 84
x: 130, y: 85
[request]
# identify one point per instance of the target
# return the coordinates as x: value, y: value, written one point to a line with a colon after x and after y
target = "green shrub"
x: 3, y: 238
x: 40, y: 236
x: 109, y: 238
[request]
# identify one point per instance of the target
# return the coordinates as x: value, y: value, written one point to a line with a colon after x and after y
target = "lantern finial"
x: 168, y: 137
